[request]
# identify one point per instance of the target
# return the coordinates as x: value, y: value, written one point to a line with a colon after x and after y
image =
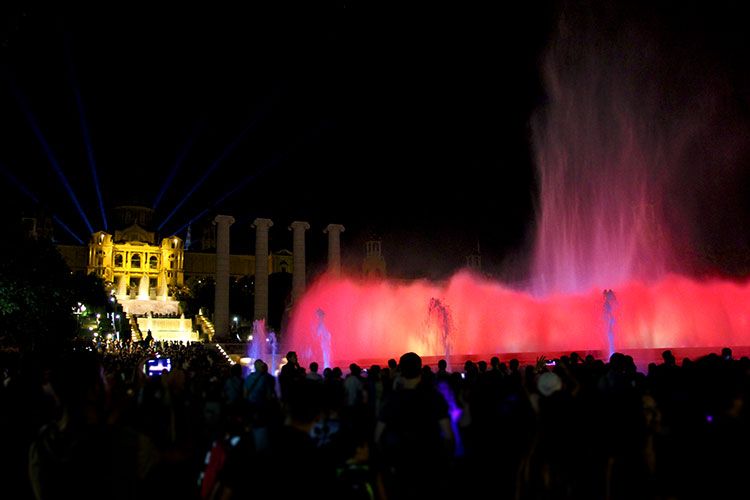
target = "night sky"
x: 405, y: 122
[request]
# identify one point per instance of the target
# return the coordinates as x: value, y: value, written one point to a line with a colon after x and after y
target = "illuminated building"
x: 144, y: 273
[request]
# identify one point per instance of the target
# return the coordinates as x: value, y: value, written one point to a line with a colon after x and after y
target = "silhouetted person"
x: 149, y: 340
x: 313, y: 373
x: 442, y: 374
x: 291, y: 373
x: 233, y: 393
x: 393, y: 366
x: 291, y: 466
x: 259, y: 390
x: 82, y: 455
x: 414, y: 435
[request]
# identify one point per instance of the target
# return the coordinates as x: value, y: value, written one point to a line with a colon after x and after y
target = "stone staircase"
x: 206, y: 325
x: 135, y: 331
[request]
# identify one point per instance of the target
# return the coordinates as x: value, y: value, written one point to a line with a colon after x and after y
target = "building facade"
x: 144, y: 273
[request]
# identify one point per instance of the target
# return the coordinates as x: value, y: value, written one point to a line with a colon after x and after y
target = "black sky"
x: 404, y: 121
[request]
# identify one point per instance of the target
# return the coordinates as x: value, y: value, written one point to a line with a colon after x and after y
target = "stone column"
x: 221, y: 294
x: 298, y: 247
x: 261, y: 267
x: 334, y: 248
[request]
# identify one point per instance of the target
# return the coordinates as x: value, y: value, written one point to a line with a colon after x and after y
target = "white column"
x: 221, y: 294
x: 261, y: 267
x: 298, y: 229
x: 334, y: 248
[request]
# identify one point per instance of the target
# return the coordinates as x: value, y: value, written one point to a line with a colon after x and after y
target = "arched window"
x: 135, y: 260
x: 153, y: 262
x: 118, y: 260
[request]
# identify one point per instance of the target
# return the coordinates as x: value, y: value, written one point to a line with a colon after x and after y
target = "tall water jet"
x: 439, y: 327
x: 324, y: 338
x: 258, y: 348
x: 615, y: 146
x: 273, y: 345
x: 143, y: 288
x: 636, y: 148
x: 122, y: 285
x: 610, y: 303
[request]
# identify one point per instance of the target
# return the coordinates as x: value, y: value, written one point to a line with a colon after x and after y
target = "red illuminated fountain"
x: 380, y: 320
x: 613, y: 153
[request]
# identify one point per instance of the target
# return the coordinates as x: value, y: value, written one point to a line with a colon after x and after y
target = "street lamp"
x: 236, y: 329
x: 78, y: 311
x: 117, y: 328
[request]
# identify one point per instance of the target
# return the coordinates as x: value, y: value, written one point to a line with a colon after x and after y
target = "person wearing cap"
x: 547, y: 472
x: 548, y: 383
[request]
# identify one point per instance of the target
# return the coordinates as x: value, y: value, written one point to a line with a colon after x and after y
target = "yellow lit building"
x: 143, y: 274
x: 138, y: 269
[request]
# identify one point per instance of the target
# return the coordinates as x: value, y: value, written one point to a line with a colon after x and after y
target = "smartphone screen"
x: 157, y: 365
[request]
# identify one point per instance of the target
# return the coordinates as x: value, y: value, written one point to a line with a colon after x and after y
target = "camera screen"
x: 156, y: 366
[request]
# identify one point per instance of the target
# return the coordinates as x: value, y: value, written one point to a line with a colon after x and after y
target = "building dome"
x: 127, y: 215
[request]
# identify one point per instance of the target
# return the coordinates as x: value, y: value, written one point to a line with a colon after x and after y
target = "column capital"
x: 224, y: 219
x: 261, y: 223
x: 334, y: 228
x: 296, y: 225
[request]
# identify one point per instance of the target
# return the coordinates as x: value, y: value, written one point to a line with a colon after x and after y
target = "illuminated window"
x: 118, y: 260
x: 153, y: 262
x: 135, y: 260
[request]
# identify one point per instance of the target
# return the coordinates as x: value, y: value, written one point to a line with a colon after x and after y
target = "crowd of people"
x: 94, y: 422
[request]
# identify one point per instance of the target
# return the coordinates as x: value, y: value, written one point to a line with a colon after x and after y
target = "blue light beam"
x: 180, y: 159
x: 21, y: 187
x: 48, y: 150
x: 85, y: 132
x: 238, y: 187
x: 247, y: 179
x: 227, y: 151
